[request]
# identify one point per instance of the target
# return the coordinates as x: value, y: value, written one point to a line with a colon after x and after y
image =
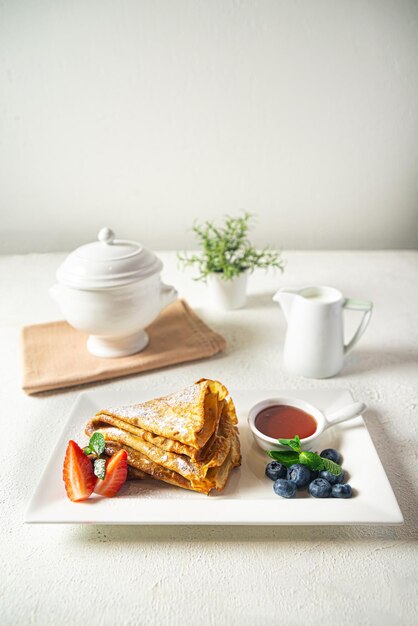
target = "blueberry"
x: 284, y: 488
x: 275, y: 470
x: 331, y: 454
x: 314, y: 474
x: 299, y: 474
x: 342, y: 491
x: 331, y: 478
x: 320, y: 488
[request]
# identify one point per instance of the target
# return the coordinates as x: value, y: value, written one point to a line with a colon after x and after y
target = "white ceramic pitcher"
x: 314, y: 345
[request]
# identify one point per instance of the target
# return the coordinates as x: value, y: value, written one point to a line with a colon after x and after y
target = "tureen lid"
x: 108, y: 262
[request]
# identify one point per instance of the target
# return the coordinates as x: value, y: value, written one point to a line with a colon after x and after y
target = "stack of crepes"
x: 189, y: 438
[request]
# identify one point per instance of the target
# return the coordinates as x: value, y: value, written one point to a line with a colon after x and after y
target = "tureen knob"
x: 106, y: 235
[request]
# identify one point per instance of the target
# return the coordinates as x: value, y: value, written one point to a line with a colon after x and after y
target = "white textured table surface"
x: 62, y: 575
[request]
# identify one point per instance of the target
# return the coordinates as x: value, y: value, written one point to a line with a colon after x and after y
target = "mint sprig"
x: 312, y: 460
x: 292, y: 443
x: 96, y: 445
x: 285, y: 457
x: 331, y: 466
x: 297, y: 455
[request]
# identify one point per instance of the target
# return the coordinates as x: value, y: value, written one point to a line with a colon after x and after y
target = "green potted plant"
x: 226, y: 258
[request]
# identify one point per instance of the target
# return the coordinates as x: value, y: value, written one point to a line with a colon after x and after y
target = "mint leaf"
x: 332, y: 467
x: 312, y: 460
x: 292, y: 443
x: 97, y: 443
x: 286, y: 457
x: 100, y: 468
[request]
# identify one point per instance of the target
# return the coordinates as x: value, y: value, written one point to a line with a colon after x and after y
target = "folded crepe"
x: 188, y: 438
x: 216, y: 478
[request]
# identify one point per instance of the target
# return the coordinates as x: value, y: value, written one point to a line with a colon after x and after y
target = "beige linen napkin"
x: 55, y: 354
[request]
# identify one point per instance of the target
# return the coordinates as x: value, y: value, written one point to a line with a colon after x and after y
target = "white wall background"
x: 143, y: 115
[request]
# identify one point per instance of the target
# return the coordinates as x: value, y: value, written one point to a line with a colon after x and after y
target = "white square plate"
x: 247, y: 499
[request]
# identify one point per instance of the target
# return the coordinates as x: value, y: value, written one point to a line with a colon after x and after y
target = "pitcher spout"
x: 285, y: 298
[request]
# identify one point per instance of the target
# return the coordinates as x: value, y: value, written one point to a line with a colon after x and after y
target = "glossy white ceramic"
x: 314, y: 344
x: 111, y: 289
x: 323, y: 421
x: 248, y: 497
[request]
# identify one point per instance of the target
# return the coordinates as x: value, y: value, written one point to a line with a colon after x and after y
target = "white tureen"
x: 112, y: 290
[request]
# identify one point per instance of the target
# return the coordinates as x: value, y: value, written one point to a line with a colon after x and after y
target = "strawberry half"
x: 116, y: 472
x: 78, y: 474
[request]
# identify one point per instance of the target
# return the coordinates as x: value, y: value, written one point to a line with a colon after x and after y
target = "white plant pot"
x: 227, y: 294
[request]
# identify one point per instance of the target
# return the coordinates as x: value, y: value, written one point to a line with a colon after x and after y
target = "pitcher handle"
x: 358, y: 305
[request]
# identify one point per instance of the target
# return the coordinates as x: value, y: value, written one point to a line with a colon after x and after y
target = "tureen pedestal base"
x: 112, y: 347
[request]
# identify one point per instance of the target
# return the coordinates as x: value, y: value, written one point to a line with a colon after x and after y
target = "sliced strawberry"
x: 78, y: 473
x: 116, y: 472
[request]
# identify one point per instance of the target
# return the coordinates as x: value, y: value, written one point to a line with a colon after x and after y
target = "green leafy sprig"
x: 297, y: 455
x: 96, y: 445
x: 95, y: 448
x: 227, y: 251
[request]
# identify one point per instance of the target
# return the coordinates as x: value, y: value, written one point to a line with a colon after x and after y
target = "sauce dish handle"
x: 348, y: 412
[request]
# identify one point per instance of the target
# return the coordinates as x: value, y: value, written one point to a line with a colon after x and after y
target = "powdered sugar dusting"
x: 163, y: 416
x: 133, y: 411
x: 185, y: 396
x: 183, y: 467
